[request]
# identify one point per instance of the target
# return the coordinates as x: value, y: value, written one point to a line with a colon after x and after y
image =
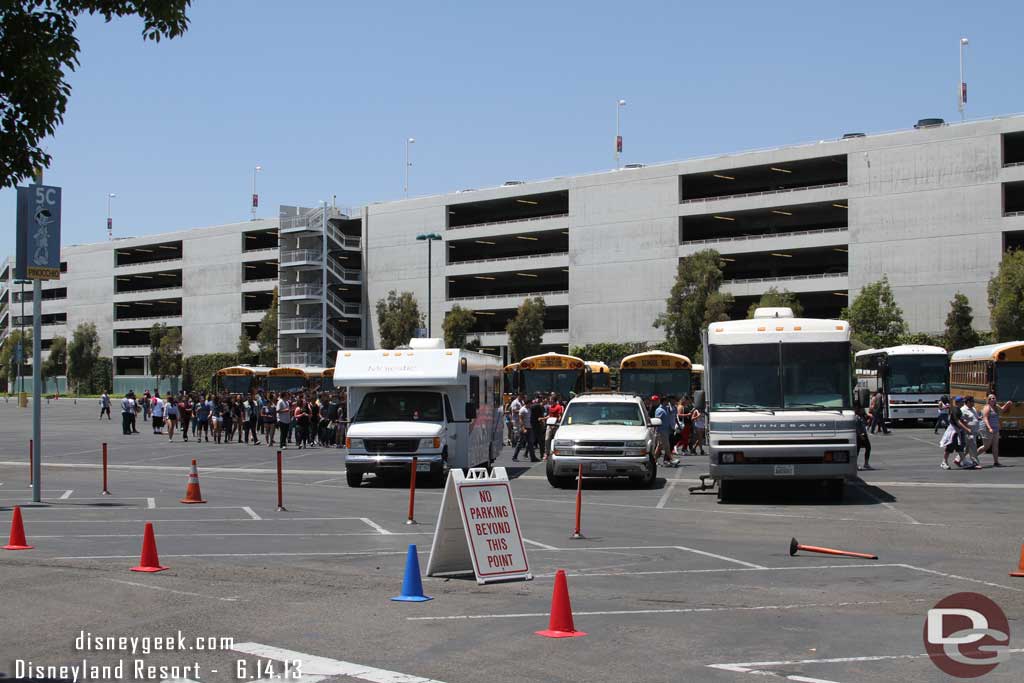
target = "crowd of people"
x: 302, y: 418
x: 969, y: 432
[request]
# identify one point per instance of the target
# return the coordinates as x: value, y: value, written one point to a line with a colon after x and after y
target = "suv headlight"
x: 434, y: 442
x: 353, y: 443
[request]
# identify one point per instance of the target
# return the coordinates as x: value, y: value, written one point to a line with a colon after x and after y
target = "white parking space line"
x: 295, y: 554
x: 719, y: 570
x: 888, y: 506
x: 181, y: 468
x: 956, y: 577
x: 66, y: 494
x: 724, y: 558
x: 545, y: 546
x: 249, y: 511
x: 246, y: 520
x: 945, y: 485
x: 680, y: 610
x: 289, y: 534
x: 668, y: 494
x: 322, y: 666
x: 373, y: 525
x: 171, y: 590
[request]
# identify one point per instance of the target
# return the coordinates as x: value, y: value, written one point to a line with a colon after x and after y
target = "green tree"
x: 526, y: 329
x: 169, y: 354
x: 56, y: 362
x: 694, y: 301
x: 874, y: 316
x: 266, y: 340
x: 37, y: 51
x: 458, y: 323
x: 8, y: 356
x: 773, y: 298
x: 1006, y: 298
x: 244, y: 349
x: 960, y: 332
x: 610, y: 354
x: 398, y: 317
x: 83, y: 352
x: 156, y: 336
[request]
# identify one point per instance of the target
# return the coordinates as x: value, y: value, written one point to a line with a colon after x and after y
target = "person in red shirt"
x: 555, y: 410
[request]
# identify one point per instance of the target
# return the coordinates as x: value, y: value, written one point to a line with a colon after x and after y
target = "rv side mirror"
x: 699, y: 400
x: 655, y: 421
x: 470, y: 411
x: 552, y: 421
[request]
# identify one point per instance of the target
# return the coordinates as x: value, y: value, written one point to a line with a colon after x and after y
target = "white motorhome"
x: 779, y: 400
x: 441, y: 405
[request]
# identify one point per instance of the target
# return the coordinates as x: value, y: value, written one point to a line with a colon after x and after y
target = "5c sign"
x: 966, y: 635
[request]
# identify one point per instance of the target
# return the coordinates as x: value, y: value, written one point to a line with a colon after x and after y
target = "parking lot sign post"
x: 38, y: 259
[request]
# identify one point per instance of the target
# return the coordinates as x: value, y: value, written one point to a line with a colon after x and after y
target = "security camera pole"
x: 962, y: 90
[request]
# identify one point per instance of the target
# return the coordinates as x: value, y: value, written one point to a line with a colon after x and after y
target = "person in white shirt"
x: 514, y: 408
x: 973, y: 421
x: 158, y: 414
x: 284, y: 418
x: 127, y: 413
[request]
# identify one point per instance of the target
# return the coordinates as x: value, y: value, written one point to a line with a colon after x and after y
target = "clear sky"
x: 322, y: 94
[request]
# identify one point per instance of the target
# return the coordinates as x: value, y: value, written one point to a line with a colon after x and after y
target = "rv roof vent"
x: 426, y: 343
x: 780, y: 312
x: 929, y: 123
x: 847, y: 136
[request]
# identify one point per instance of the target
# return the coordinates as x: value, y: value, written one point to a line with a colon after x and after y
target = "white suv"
x: 610, y: 435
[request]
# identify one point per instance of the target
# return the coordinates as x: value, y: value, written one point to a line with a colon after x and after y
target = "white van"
x: 441, y: 405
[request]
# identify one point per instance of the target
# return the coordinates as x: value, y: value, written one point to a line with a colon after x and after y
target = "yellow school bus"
x: 993, y: 369
x: 655, y: 373
x: 509, y: 383
x: 286, y: 379
x: 696, y: 377
x: 599, y: 377
x: 239, y: 379
x: 551, y: 373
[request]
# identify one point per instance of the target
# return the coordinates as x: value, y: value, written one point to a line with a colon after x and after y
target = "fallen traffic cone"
x: 17, y: 541
x: 794, y: 546
x: 192, y: 493
x: 560, y: 624
x: 412, y: 586
x: 150, y: 561
x: 1020, y: 565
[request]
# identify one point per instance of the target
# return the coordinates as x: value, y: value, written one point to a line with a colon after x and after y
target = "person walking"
x: 147, y: 405
x: 514, y: 411
x: 537, y: 413
x: 878, y: 413
x: 127, y: 414
x: 284, y: 418
x: 135, y: 412
x: 972, y: 420
x: 990, y: 427
x: 942, y: 417
x: 699, y: 429
x: 184, y: 415
x: 665, y: 412
x: 251, y: 416
x: 268, y: 416
x: 202, y: 408
x: 105, y: 405
x: 171, y: 416
x: 952, y: 438
x: 525, y: 439
x: 157, y: 413
x: 863, y: 442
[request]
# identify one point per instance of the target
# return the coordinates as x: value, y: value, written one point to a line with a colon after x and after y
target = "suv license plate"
x: 783, y: 470
x: 423, y: 467
x: 598, y: 467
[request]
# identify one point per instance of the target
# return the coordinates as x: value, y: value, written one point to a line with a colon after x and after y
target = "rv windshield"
x: 780, y: 376
x: 401, y: 406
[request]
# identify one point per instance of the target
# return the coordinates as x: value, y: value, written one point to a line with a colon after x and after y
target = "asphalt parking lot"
x: 669, y: 586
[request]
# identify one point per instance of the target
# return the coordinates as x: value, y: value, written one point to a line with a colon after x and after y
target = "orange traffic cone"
x: 794, y: 546
x: 560, y: 624
x: 1018, y: 573
x: 192, y: 492
x: 17, y: 541
x: 150, y: 560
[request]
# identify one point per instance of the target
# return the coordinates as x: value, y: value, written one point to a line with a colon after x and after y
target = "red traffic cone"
x: 150, y: 560
x: 192, y: 492
x: 17, y: 541
x: 560, y: 625
x: 1018, y: 573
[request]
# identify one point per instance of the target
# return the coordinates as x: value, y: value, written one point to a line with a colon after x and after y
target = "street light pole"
x: 618, y: 136
x: 429, y: 237
x: 408, y: 163
x: 110, y: 221
x: 255, y: 197
x: 962, y: 90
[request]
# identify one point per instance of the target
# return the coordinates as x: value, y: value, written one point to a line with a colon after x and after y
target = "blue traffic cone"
x: 412, y: 587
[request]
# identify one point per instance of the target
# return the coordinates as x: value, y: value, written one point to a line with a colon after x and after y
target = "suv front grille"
x: 391, y: 445
x: 601, y: 444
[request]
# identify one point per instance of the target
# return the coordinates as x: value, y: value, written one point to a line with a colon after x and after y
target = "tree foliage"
x: 874, y: 316
x: 197, y: 372
x: 83, y: 353
x: 156, y: 336
x: 37, y: 50
x: 56, y: 363
x: 244, y: 349
x: 1006, y: 298
x: 694, y: 302
x: 458, y: 323
x: 398, y: 317
x: 960, y: 332
x: 266, y: 340
x: 610, y: 354
x: 526, y: 329
x: 168, y: 354
x: 773, y: 298
x: 8, y: 356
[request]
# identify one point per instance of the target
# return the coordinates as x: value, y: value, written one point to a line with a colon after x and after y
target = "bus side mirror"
x: 699, y: 400
x: 470, y: 411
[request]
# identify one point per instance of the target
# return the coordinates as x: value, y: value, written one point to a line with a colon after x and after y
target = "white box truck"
x: 441, y: 405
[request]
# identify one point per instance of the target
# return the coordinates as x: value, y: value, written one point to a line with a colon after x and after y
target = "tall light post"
x: 255, y: 197
x: 110, y: 221
x: 618, y: 136
x: 408, y: 163
x: 429, y: 237
x: 961, y: 95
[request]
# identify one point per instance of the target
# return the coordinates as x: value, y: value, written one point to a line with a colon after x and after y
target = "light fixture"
x: 526, y: 237
x: 146, y: 251
x: 565, y: 232
x: 527, y: 275
x: 730, y: 260
x: 483, y: 313
x: 782, y: 213
x: 144, y: 303
x: 484, y: 277
x: 122, y: 279
x: 450, y: 212
x: 775, y: 253
x: 249, y: 266
x: 842, y: 294
x: 841, y: 206
x: 724, y: 218
x: 723, y: 177
x: 484, y: 242
x: 841, y: 250
x: 565, y: 270
x: 168, y: 275
x: 779, y: 170
x: 166, y: 301
x: 167, y: 246
x: 527, y: 201
x: 144, y: 277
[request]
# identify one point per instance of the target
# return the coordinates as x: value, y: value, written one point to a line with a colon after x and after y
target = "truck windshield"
x: 400, y: 406
x: 780, y: 376
x: 625, y: 414
x: 918, y: 374
x: 1010, y: 381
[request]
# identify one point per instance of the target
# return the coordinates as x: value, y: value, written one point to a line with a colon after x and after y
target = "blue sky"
x: 322, y: 94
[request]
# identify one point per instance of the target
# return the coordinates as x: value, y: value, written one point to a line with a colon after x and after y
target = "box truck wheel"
x: 354, y: 478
